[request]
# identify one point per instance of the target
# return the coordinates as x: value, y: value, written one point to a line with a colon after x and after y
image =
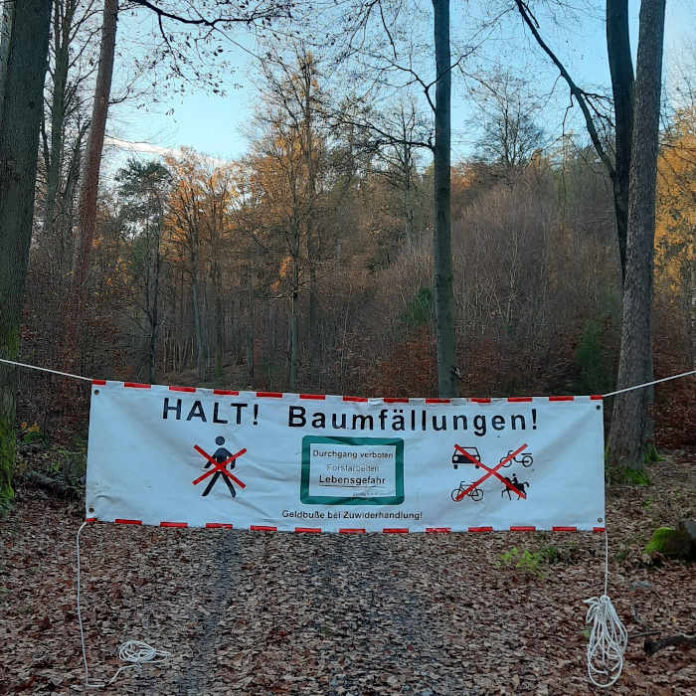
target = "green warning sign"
x: 352, y: 471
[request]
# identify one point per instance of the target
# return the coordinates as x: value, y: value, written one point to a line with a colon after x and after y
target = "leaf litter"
x: 259, y: 613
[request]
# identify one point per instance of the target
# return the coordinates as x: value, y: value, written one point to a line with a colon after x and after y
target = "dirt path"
x: 263, y: 613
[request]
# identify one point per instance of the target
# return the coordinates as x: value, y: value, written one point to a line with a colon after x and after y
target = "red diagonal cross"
x: 219, y: 466
x: 491, y: 472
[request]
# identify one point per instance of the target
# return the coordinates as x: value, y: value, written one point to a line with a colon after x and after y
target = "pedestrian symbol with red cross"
x: 220, y: 459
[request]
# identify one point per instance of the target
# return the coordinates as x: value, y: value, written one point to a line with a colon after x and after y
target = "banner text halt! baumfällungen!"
x: 200, y: 457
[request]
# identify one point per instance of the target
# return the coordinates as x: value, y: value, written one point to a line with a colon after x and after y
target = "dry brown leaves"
x: 256, y: 613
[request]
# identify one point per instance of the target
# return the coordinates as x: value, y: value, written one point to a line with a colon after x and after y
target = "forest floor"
x: 264, y: 613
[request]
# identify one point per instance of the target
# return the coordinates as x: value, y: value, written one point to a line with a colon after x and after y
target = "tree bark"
x: 630, y: 421
x: 89, y: 186
x: 218, y: 311
x: 62, y: 24
x: 407, y: 163
x: 621, y: 69
x: 198, y: 328
x: 442, y: 244
x: 153, y: 283
x: 692, y: 309
x: 6, y: 19
x: 306, y: 98
x: 294, y: 347
x: 21, y: 109
x: 250, y: 327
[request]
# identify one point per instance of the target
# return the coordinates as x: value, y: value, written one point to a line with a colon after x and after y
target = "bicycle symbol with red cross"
x: 473, y: 490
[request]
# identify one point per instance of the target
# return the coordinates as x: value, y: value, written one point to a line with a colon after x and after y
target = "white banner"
x: 179, y: 456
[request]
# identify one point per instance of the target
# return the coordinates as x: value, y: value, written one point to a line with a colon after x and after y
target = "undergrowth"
x: 533, y: 562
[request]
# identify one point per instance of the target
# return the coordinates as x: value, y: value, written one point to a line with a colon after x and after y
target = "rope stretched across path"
x: 44, y: 369
x: 604, y: 396
x: 649, y: 384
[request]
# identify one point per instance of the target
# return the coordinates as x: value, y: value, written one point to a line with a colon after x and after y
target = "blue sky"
x: 219, y: 126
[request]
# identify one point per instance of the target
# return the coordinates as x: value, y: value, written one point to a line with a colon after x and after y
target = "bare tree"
x: 630, y: 418
x: 89, y: 183
x: 294, y: 125
x: 442, y: 240
x: 400, y: 156
x: 440, y: 146
x: 621, y: 68
x: 186, y: 222
x: 511, y: 134
x: 144, y: 188
x: 70, y: 40
x: 218, y: 194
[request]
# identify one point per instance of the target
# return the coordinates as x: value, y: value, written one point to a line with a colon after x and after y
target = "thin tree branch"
x: 264, y: 14
x: 575, y: 91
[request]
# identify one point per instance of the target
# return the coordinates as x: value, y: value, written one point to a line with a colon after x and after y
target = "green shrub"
x: 592, y: 361
x: 652, y: 455
x: 420, y: 309
x: 627, y: 475
x: 528, y: 562
x: 31, y: 433
x: 532, y: 562
x: 675, y: 543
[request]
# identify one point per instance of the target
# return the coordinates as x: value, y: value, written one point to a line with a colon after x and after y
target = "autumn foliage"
x: 307, y: 265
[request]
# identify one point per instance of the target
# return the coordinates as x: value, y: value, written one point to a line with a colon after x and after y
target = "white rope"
x: 649, y: 384
x: 44, y: 369
x: 135, y: 652
x: 89, y: 379
x: 608, y: 636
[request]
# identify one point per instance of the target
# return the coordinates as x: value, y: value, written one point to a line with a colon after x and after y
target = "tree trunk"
x: 310, y: 197
x: 692, y: 307
x: 630, y: 420
x: 621, y: 69
x: 218, y: 313
x: 250, y: 328
x: 152, y: 349
x: 442, y: 244
x: 294, y: 309
x: 198, y: 328
x: 312, y: 312
x: 89, y: 186
x: 66, y: 220
x: 408, y: 205
x: 62, y: 26
x: 6, y: 18
x: 153, y: 301
x: 217, y: 224
x: 21, y: 109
